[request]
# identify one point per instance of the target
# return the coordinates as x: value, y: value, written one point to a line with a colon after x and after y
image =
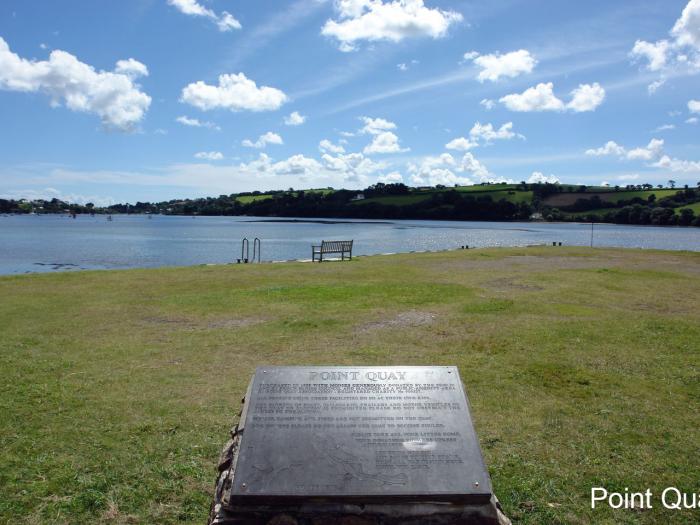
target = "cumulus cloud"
x: 131, y: 68
x: 538, y: 177
x: 678, y: 165
x: 538, y: 98
x: 375, y: 20
x: 353, y: 167
x: 209, y: 155
x: 488, y: 133
x: 655, y: 54
x: 328, y: 147
x: 586, y: 97
x: 384, y: 142
x: 461, y: 144
x: 224, y: 22
x: 652, y: 153
x: 111, y: 95
x: 294, y: 119
x: 498, y: 65
x: 263, y: 140
x: 483, y: 133
x: 196, y: 123
x: 391, y: 178
x: 444, y: 169
x: 234, y: 92
x: 694, y: 106
x: 681, y: 51
x: 374, y: 126
x: 612, y: 148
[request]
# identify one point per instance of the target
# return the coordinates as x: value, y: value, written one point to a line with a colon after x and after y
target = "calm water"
x: 36, y: 243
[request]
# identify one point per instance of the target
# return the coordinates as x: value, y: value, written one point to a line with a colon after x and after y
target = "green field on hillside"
x: 247, y: 199
x: 118, y: 387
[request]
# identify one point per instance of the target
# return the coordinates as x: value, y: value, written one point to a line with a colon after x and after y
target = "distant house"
x: 536, y: 217
x: 358, y: 197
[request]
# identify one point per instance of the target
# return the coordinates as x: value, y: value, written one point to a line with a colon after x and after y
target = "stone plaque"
x: 358, y: 433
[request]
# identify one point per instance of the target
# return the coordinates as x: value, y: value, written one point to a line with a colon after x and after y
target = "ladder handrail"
x: 245, y: 249
x: 257, y: 247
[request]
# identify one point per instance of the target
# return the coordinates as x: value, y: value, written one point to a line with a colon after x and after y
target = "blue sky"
x: 109, y: 101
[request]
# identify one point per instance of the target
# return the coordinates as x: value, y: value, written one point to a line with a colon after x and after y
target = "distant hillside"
x: 641, y: 204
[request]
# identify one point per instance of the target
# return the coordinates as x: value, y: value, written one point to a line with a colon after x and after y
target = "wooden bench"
x: 341, y: 247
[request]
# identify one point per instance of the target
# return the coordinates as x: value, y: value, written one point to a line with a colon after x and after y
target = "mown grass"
x: 117, y: 388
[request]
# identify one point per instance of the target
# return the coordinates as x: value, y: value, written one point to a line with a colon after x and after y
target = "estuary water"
x: 41, y: 243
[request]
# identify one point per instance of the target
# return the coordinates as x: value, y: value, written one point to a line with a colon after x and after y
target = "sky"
x: 151, y: 100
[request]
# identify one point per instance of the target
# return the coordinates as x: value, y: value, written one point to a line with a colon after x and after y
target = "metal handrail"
x: 257, y: 247
x: 245, y: 250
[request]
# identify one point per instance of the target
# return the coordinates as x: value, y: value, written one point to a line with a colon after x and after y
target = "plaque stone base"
x: 324, y: 470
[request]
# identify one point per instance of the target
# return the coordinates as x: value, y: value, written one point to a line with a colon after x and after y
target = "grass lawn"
x: 247, y: 199
x: 118, y: 387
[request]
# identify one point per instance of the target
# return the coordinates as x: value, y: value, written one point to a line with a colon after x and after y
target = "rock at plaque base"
x: 344, y: 446
x: 223, y: 513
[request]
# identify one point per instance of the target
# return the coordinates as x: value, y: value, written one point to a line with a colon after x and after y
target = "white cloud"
x: 655, y: 86
x: 391, y: 178
x: 488, y: 103
x: 444, y: 169
x: 487, y: 133
x: 461, y: 144
x: 263, y: 140
x: 692, y: 120
x: 328, y: 147
x: 538, y: 177
x: 52, y: 193
x: 209, y: 155
x: 384, y: 142
x: 652, y: 153
x: 655, y: 54
x: 686, y: 30
x: 196, y: 123
x: 496, y: 65
x: 611, y: 148
x: 538, y: 98
x: 402, y: 66
x: 234, y: 92
x: 374, y: 20
x: 681, y: 51
x: 296, y: 165
x: 694, y: 106
x: 586, y: 97
x: 225, y: 21
x: 683, y: 166
x: 649, y: 152
x: 113, y: 96
x: 131, y: 68
x: 294, y: 119
x: 665, y: 127
x: 631, y: 176
x: 353, y: 167
x: 375, y: 126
